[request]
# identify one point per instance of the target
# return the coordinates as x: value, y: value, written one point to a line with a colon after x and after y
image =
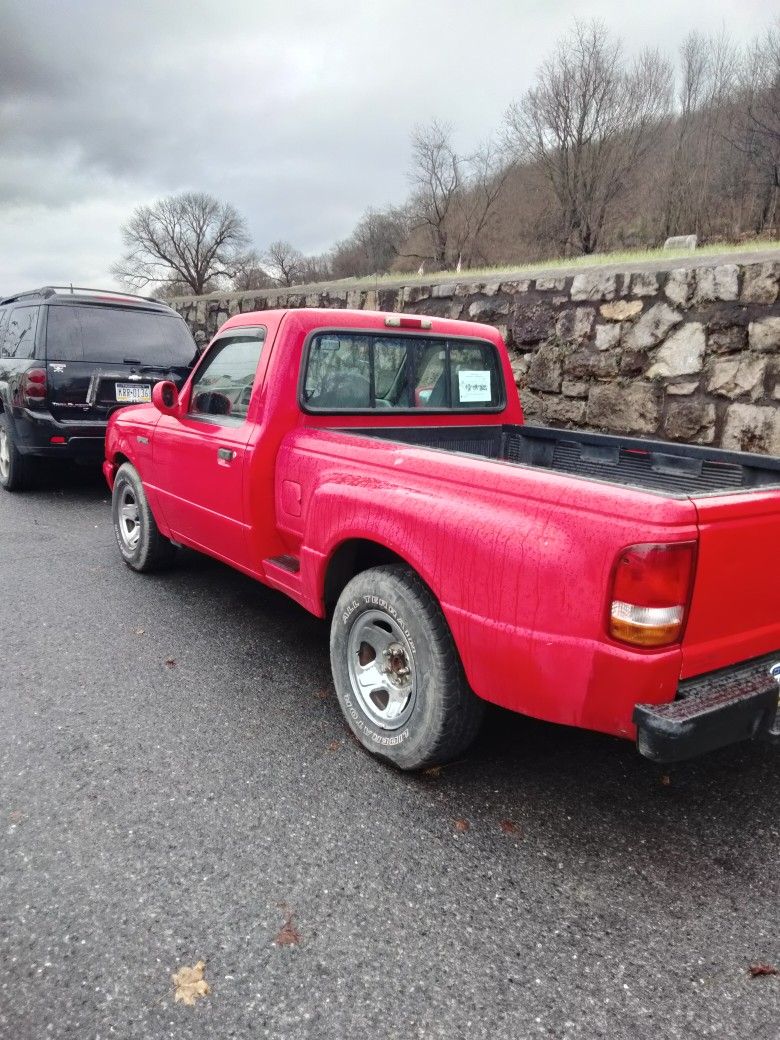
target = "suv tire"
x: 14, y: 467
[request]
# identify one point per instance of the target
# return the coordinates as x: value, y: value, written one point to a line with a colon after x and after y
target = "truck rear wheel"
x: 13, y: 465
x: 398, y: 676
x: 142, y: 546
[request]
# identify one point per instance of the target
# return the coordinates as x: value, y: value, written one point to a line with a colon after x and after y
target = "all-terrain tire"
x: 388, y: 628
x: 142, y: 546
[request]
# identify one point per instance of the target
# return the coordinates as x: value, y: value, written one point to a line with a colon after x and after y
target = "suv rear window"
x: 116, y: 334
x: 357, y: 371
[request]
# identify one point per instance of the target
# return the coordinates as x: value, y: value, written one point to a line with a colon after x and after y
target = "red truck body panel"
x: 519, y: 558
x: 735, y: 611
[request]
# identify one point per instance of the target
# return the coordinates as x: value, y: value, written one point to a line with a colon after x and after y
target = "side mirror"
x: 165, y: 397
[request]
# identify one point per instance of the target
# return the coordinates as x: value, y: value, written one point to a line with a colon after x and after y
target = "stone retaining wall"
x: 688, y: 353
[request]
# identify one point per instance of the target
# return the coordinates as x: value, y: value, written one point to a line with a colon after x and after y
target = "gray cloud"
x: 299, y: 114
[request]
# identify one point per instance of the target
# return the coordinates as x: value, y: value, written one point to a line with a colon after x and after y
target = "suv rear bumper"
x: 712, y: 711
x: 83, y: 440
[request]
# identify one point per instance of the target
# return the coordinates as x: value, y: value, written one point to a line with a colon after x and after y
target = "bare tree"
x: 380, y: 234
x: 436, y: 181
x: 250, y: 273
x: 315, y: 269
x: 486, y: 174
x: 191, y: 238
x: 762, y: 118
x: 374, y: 245
x: 285, y: 263
x: 695, y: 67
x: 589, y: 123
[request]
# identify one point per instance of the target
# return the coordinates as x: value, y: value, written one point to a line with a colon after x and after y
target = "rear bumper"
x: 82, y: 440
x: 712, y: 711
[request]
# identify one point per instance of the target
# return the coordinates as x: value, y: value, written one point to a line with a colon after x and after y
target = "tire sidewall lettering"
x: 370, y: 602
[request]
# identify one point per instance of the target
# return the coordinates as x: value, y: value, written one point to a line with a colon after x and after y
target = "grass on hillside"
x: 592, y: 260
x: 473, y: 273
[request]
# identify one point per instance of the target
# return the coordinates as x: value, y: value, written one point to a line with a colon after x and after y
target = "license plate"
x: 134, y: 393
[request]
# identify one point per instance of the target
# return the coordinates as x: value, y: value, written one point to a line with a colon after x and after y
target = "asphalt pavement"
x: 177, y: 785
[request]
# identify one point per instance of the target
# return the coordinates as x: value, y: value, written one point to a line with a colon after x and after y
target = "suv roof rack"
x: 74, y: 290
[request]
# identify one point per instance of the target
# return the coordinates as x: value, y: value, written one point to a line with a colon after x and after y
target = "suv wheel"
x: 13, y: 465
x: 142, y: 546
x: 397, y: 672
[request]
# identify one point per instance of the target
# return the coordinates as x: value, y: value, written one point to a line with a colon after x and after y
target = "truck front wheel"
x: 397, y: 673
x: 142, y: 546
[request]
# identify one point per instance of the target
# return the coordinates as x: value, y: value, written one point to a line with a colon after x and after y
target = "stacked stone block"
x: 688, y: 354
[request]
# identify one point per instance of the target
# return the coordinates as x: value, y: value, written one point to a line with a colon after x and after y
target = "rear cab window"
x: 118, y: 335
x: 355, y: 371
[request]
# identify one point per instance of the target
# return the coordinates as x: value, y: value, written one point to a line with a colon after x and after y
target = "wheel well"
x: 119, y: 458
x: 352, y: 557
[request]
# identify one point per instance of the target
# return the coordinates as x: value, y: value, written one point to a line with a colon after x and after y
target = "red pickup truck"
x: 376, y: 468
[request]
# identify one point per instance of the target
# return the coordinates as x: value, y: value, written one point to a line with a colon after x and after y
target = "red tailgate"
x: 735, y: 612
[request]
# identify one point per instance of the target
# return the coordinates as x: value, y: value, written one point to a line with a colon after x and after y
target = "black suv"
x: 70, y: 357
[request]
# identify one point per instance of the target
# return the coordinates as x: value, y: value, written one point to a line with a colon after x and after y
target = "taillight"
x: 651, y: 591
x: 34, y: 389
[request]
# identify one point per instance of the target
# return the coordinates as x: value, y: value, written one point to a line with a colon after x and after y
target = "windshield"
x: 118, y: 335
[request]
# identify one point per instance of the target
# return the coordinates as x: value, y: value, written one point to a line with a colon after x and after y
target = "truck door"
x: 199, y: 455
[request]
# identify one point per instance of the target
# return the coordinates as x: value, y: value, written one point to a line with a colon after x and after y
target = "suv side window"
x: 222, y: 388
x: 19, y: 338
x: 3, y: 323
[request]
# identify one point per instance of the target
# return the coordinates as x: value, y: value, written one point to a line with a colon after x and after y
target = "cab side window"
x: 222, y: 388
x: 18, y: 340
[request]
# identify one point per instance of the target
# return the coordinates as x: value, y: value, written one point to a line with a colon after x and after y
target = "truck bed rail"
x: 676, y: 470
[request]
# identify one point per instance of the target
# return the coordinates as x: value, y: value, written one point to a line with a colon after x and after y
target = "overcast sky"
x: 298, y: 112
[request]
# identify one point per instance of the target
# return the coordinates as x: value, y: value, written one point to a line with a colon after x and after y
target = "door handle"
x: 225, y: 454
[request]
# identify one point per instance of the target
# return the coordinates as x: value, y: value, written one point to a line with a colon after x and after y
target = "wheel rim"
x: 129, y: 518
x: 5, y: 455
x: 382, y: 669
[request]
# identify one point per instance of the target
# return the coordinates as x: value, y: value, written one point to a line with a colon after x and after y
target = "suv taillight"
x: 34, y: 389
x: 651, y: 592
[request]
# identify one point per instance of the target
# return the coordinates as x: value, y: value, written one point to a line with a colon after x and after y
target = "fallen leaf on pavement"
x: 666, y: 779
x: 170, y: 663
x: 509, y: 827
x: 462, y: 825
x: 288, y: 933
x: 334, y: 745
x: 763, y: 969
x: 433, y: 771
x: 140, y: 631
x: 190, y: 984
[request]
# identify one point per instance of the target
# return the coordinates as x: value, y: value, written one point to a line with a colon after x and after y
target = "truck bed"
x: 675, y: 470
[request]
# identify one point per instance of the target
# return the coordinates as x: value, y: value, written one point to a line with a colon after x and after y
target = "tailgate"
x: 81, y: 390
x: 735, y: 610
